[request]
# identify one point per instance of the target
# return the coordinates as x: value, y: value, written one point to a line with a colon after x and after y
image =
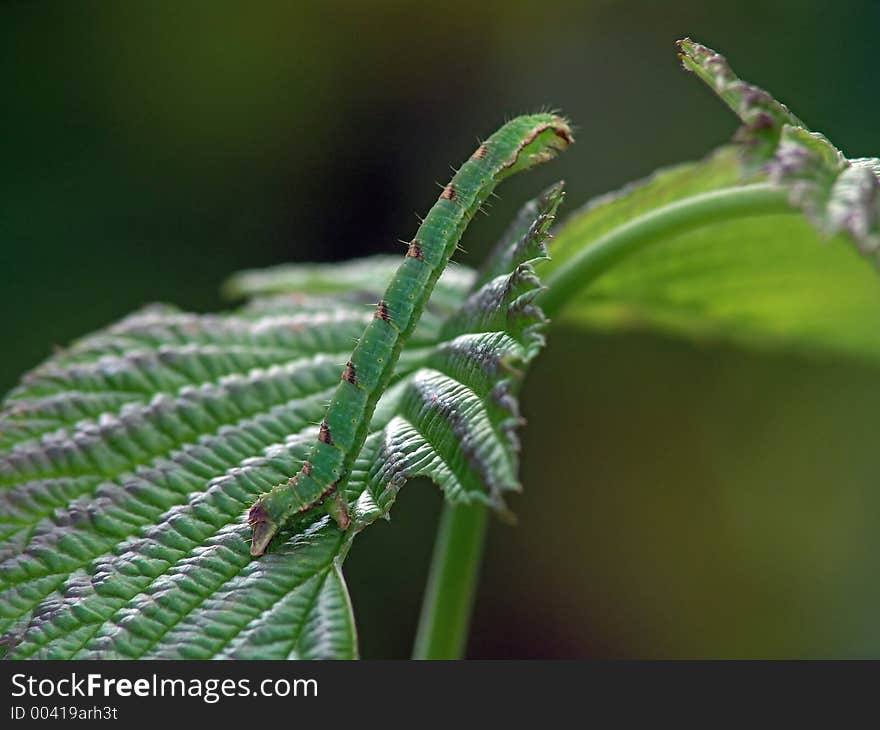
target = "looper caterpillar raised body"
x: 520, y: 144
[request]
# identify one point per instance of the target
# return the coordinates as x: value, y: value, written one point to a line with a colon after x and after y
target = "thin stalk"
x: 659, y: 224
x: 449, y: 596
x: 446, y: 610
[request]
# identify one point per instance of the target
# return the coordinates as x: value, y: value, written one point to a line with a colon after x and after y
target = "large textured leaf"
x: 129, y: 460
x: 771, y: 279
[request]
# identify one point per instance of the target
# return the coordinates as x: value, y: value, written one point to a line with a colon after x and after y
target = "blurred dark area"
x: 679, y: 500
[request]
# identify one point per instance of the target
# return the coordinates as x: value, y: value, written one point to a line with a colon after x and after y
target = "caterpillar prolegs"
x: 520, y: 144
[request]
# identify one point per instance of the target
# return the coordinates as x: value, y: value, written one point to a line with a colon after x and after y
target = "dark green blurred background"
x: 680, y: 500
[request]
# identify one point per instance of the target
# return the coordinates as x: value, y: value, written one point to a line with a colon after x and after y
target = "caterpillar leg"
x: 264, y: 527
x: 338, y: 509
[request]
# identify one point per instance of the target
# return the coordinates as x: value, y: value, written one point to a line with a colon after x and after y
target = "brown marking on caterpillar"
x: 307, y: 468
x: 449, y: 193
x: 257, y: 513
x: 324, y: 434
x: 349, y: 375
x: 336, y: 506
x: 415, y: 250
x: 327, y: 492
x: 481, y: 152
x: 382, y: 311
x: 559, y: 128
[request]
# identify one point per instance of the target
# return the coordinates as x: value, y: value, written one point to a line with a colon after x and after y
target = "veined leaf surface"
x: 129, y: 460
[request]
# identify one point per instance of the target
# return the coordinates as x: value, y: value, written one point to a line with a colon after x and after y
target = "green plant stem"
x: 446, y: 610
x: 449, y: 596
x: 659, y: 224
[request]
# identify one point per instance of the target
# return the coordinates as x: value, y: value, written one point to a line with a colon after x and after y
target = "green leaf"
x: 127, y: 462
x: 752, y: 245
x: 519, y: 145
x: 368, y: 274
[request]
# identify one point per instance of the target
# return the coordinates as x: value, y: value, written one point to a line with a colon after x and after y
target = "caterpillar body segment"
x: 520, y: 144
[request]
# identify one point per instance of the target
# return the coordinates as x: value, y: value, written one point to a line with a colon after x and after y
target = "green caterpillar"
x: 520, y: 144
